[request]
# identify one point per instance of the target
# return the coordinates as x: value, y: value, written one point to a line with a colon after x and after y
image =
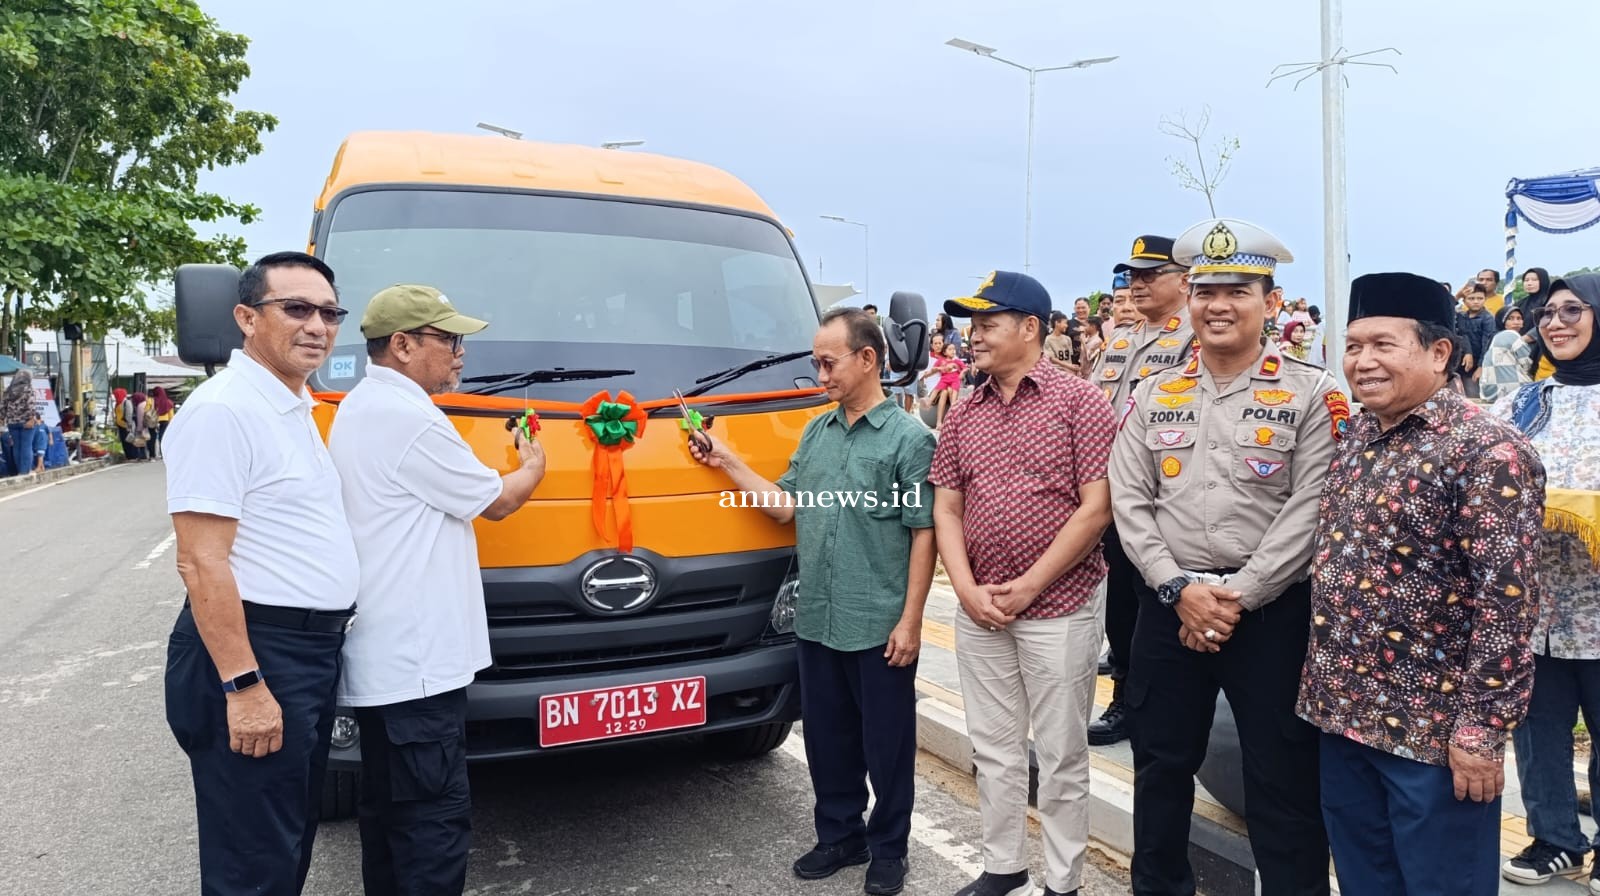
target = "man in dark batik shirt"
x: 1424, y: 584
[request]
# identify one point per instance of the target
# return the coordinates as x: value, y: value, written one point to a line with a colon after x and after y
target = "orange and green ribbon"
x: 613, y: 427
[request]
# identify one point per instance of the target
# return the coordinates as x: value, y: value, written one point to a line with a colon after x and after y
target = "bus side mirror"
x: 906, y: 332
x: 203, y: 297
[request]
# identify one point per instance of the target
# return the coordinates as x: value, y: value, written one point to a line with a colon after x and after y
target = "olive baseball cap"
x: 410, y: 307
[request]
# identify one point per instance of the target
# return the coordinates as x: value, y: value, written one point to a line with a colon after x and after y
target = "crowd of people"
x: 1382, y: 597
x: 1376, y: 595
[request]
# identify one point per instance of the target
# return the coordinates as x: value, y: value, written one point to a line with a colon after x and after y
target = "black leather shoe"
x: 1111, y: 727
x: 826, y: 860
x: 1018, y: 884
x: 886, y: 877
x: 1105, y: 664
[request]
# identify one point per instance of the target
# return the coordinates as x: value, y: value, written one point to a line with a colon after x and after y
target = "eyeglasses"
x: 826, y: 364
x: 1569, y: 313
x: 453, y: 340
x: 300, y: 309
x: 1150, y: 276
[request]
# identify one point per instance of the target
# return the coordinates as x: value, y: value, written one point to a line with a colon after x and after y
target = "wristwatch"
x: 1169, y: 591
x: 241, y: 682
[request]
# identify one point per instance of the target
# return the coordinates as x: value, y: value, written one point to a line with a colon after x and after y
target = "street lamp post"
x: 496, y: 129
x: 866, y: 252
x: 1033, y: 78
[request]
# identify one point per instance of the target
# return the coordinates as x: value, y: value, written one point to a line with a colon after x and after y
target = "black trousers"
x: 860, y: 717
x: 1172, y: 695
x: 258, y: 817
x: 415, y: 810
x: 1122, y: 604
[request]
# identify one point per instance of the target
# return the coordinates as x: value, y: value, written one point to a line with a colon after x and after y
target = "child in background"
x: 948, y: 388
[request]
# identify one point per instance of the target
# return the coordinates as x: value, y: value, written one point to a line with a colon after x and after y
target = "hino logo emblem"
x: 618, y: 584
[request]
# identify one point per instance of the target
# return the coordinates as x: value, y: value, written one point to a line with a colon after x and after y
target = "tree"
x: 1208, y: 180
x: 109, y: 111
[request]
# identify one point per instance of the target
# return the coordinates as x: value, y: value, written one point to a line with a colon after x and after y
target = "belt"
x: 327, y: 621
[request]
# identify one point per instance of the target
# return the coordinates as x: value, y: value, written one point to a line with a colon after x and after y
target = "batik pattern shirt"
x: 1569, y: 587
x: 1425, y: 584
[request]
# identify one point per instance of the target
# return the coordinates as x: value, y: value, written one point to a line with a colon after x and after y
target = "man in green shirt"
x: 857, y: 491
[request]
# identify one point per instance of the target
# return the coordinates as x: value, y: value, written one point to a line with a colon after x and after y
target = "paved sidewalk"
x: 1218, y: 841
x: 12, y: 484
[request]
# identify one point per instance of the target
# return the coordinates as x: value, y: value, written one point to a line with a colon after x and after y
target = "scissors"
x: 692, y: 423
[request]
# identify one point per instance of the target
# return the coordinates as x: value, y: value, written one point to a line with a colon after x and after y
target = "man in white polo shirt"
x: 266, y: 555
x: 412, y: 488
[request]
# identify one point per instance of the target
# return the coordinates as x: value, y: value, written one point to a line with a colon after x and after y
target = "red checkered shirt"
x: 1019, y: 466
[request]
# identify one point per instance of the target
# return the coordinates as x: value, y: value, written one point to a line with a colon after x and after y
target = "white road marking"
x: 964, y: 856
x: 41, y: 488
x: 157, y: 551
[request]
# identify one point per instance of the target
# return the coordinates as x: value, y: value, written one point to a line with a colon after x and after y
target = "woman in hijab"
x: 1509, y: 362
x: 1294, y: 343
x: 17, y: 408
x: 119, y: 398
x: 1536, y: 283
x: 164, y: 409
x: 1561, y: 417
x: 137, y: 411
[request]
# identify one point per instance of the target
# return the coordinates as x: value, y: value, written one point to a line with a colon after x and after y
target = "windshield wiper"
x: 500, y: 382
x: 720, y: 377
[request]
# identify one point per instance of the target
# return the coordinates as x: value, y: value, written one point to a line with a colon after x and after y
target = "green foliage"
x: 109, y: 111
x: 1096, y: 298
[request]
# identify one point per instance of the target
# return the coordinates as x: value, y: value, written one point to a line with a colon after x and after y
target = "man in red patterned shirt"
x: 1021, y: 499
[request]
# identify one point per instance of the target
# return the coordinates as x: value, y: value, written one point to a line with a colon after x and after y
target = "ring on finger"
x: 1211, y: 634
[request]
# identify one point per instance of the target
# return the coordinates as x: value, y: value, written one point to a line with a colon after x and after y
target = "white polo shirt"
x: 412, y: 488
x: 245, y: 447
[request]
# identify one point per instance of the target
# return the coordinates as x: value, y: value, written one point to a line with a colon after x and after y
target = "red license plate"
x: 606, y: 713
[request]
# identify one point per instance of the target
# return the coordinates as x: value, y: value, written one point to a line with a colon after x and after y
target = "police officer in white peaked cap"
x: 1215, y: 479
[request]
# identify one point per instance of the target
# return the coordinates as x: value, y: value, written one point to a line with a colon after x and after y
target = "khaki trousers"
x: 1040, y: 672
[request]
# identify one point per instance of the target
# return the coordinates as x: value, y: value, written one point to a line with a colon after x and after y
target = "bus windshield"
x: 667, y: 292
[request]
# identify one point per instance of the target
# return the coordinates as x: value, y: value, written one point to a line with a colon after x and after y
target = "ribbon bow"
x: 612, y: 421
x: 613, y: 427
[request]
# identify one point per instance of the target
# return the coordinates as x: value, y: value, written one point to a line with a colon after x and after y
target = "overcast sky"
x: 858, y: 109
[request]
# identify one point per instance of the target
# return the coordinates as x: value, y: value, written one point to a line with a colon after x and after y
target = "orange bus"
x: 639, y: 611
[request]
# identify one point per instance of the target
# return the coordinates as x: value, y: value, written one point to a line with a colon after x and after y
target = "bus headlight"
x: 782, y: 619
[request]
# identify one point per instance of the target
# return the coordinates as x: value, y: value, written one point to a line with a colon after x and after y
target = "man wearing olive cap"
x: 412, y: 488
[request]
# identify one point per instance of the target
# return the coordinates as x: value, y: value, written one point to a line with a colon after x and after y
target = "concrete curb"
x: 18, y: 483
x: 1219, y: 848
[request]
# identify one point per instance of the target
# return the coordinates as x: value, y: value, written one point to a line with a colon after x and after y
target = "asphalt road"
x: 97, y: 796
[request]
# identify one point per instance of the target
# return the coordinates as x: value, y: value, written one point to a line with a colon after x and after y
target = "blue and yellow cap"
x: 1004, y: 291
x: 1227, y: 250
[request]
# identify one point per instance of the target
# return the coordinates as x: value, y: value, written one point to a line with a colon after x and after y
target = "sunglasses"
x: 300, y: 309
x: 453, y: 340
x: 1151, y: 275
x: 826, y: 364
x: 1569, y: 313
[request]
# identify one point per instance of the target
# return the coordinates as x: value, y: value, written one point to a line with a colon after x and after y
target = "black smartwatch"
x: 1169, y: 591
x: 241, y: 682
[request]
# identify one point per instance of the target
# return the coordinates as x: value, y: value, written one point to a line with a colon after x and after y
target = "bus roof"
x: 400, y: 157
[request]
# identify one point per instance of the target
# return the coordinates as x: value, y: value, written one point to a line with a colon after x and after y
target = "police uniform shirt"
x: 245, y: 447
x: 1207, y: 478
x: 1140, y: 349
x: 412, y: 487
